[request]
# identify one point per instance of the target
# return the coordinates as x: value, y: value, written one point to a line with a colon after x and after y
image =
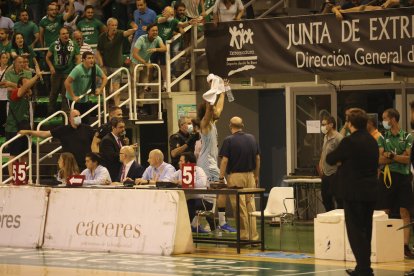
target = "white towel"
x: 216, y: 88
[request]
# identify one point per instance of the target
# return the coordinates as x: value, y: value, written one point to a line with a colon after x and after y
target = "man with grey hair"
x: 130, y: 169
x: 183, y: 140
x: 158, y: 170
x: 83, y: 46
x: 109, y: 52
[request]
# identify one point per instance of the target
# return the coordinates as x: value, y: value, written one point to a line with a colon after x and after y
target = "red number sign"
x: 20, y: 176
x: 188, y: 175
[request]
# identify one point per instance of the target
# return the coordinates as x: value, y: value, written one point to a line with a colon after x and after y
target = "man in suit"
x: 130, y: 169
x: 358, y: 157
x: 110, y: 147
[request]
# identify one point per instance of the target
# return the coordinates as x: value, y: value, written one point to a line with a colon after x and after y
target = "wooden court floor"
x: 206, y: 260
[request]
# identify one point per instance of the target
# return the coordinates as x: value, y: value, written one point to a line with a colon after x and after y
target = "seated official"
x: 67, y: 167
x: 130, y: 169
x: 95, y: 173
x: 195, y: 202
x: 157, y: 171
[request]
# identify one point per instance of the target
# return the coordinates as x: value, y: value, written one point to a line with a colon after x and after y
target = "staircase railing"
x: 11, y: 161
x: 138, y: 84
x: 39, y: 143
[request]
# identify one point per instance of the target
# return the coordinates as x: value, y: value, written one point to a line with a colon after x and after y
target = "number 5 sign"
x: 188, y: 175
x: 20, y: 176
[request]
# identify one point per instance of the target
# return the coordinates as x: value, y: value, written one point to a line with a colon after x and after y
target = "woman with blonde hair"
x: 67, y: 167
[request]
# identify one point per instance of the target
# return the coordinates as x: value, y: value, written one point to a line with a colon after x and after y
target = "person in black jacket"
x: 110, y: 146
x: 130, y: 169
x: 358, y: 157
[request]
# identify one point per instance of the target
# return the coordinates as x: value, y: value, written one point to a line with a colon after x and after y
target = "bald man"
x: 241, y: 162
x: 130, y: 169
x: 83, y: 46
x: 75, y: 137
x: 157, y: 171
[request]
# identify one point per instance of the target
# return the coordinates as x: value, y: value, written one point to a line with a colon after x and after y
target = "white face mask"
x: 190, y: 129
x: 386, y: 124
x: 77, y: 120
x: 324, y: 130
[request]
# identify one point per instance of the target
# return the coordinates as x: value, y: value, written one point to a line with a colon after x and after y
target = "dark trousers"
x: 200, y: 204
x: 57, y: 85
x: 3, y: 116
x: 328, y: 199
x: 358, y: 220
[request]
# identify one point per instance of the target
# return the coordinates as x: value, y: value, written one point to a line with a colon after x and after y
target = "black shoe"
x: 350, y: 271
x: 408, y: 253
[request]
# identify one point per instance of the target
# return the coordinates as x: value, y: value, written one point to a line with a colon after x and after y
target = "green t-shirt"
x: 111, y: 50
x: 398, y: 145
x: 52, y: 28
x: 20, y: 109
x: 5, y: 48
x: 82, y: 80
x: 166, y: 29
x: 64, y: 60
x: 14, y: 77
x: 28, y: 30
x: 90, y: 30
x: 21, y: 51
x: 143, y: 44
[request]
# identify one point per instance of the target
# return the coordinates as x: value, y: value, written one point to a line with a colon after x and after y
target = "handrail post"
x: 159, y: 93
x: 193, y: 58
x: 168, y: 64
x: 131, y: 111
x: 104, y: 106
x: 29, y: 138
x: 134, y: 87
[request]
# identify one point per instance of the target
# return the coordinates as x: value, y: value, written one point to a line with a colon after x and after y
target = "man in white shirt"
x: 157, y: 171
x: 130, y: 169
x: 95, y: 174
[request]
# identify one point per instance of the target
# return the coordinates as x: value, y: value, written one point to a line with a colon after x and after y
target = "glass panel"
x: 309, y: 107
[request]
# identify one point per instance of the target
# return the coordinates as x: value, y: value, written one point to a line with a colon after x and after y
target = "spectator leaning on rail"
x: 228, y: 10
x: 27, y: 28
x: 18, y: 116
x: 75, y: 137
x: 90, y: 27
x: 52, y: 23
x: 109, y: 53
x: 62, y: 56
x: 158, y: 170
x: 82, y: 78
x: 95, y: 173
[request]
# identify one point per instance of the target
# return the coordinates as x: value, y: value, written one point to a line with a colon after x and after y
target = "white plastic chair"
x: 281, y: 206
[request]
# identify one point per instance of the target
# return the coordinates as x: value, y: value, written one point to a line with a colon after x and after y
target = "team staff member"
x: 330, y: 142
x: 357, y: 176
x: 241, y: 161
x: 75, y: 137
x: 130, y: 169
x: 395, y: 188
x: 182, y: 141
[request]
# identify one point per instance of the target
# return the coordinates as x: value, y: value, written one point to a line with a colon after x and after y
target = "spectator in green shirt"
x: 62, y: 56
x: 20, y: 48
x: 28, y: 28
x: 5, y: 45
x: 53, y: 22
x: 90, y: 26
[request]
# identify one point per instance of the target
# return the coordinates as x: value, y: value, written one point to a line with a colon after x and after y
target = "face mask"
x: 386, y: 125
x: 190, y: 129
x: 122, y: 134
x: 324, y: 130
x: 77, y: 120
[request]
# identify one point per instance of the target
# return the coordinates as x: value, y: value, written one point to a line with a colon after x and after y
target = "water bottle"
x: 229, y: 94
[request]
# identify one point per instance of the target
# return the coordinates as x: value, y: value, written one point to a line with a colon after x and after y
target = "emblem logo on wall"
x: 243, y: 58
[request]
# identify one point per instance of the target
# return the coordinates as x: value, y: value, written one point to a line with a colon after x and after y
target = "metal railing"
x: 192, y: 49
x: 138, y: 84
x: 39, y: 143
x: 11, y: 161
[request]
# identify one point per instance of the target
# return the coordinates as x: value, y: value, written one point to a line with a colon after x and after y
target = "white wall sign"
x: 22, y: 216
x: 313, y: 126
x: 133, y: 221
